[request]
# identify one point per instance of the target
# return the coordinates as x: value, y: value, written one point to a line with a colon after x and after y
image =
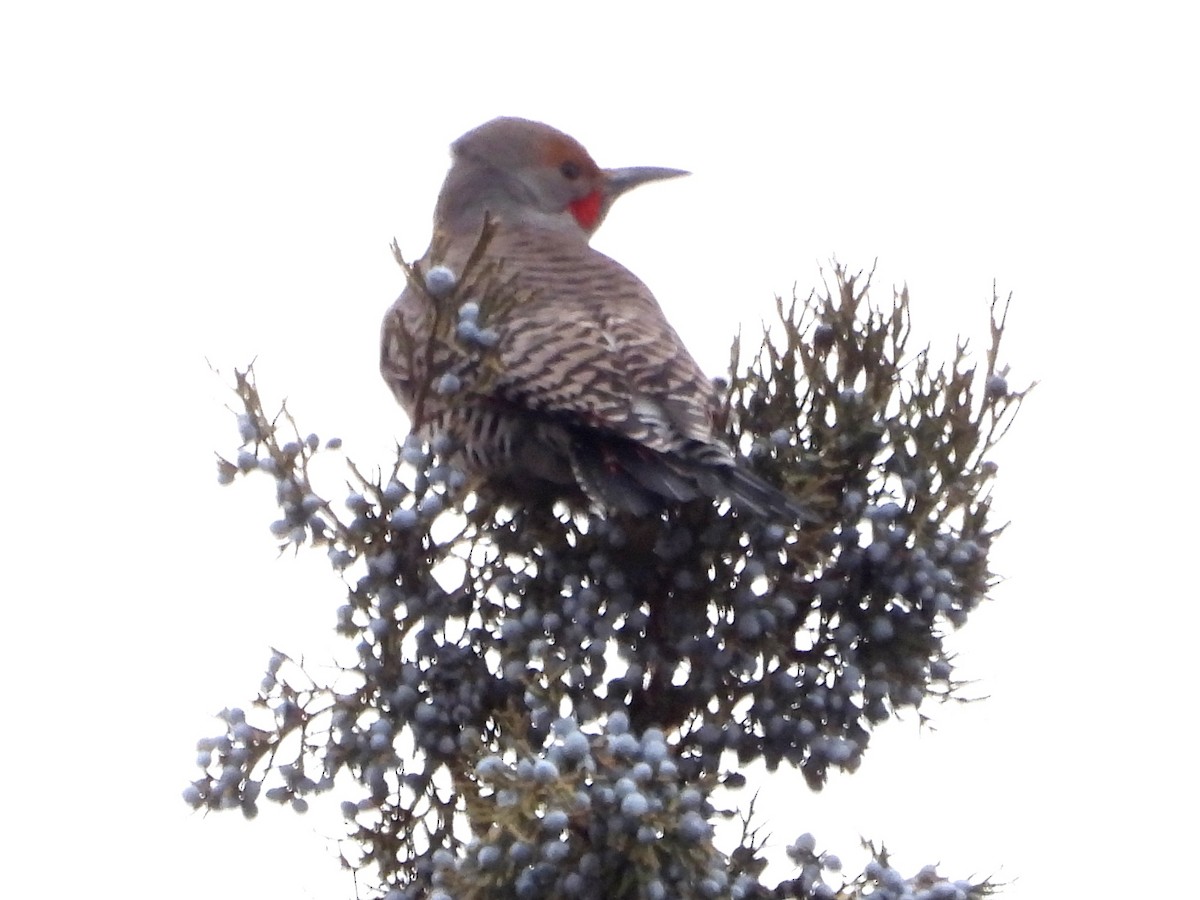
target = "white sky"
x: 221, y: 181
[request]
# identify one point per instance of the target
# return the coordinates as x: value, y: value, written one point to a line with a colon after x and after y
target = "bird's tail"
x: 751, y: 493
x: 627, y: 476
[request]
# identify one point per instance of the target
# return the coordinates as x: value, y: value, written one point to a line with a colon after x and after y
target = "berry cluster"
x: 541, y: 700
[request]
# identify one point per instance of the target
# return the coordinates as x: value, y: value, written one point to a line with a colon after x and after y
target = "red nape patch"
x: 586, y: 210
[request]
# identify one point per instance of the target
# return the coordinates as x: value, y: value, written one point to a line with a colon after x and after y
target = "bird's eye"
x: 570, y: 170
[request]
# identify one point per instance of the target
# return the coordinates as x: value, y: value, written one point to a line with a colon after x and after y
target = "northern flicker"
x: 591, y: 388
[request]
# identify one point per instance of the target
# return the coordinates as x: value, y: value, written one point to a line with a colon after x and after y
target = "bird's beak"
x: 618, y: 181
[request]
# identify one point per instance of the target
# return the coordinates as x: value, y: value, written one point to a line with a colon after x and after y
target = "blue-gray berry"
x: 440, y: 281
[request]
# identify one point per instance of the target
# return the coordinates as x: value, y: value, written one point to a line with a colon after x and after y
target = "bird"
x: 587, y: 390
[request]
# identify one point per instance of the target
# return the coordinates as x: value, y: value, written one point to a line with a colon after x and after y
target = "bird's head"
x: 524, y: 172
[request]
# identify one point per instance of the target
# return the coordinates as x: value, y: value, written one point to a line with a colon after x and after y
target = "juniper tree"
x: 546, y: 696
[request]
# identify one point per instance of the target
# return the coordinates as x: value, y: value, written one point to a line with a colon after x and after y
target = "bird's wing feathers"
x: 592, y: 343
x: 405, y: 330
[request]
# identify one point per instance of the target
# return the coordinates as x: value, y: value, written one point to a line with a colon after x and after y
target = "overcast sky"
x: 184, y: 183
